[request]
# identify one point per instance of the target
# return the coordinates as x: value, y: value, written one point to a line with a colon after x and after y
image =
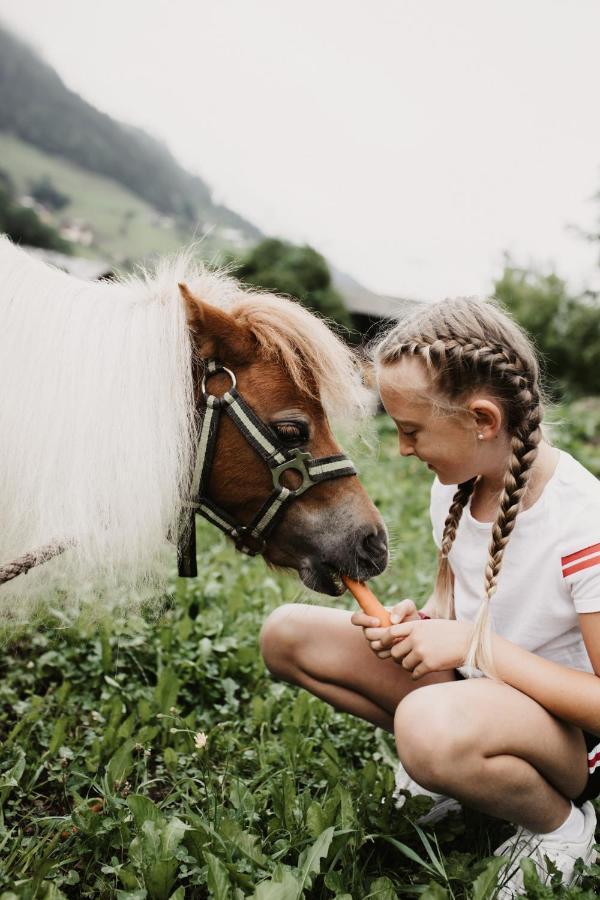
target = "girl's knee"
x: 279, y: 641
x: 431, y: 737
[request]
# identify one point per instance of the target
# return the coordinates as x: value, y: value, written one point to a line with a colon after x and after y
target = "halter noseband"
x: 250, y: 539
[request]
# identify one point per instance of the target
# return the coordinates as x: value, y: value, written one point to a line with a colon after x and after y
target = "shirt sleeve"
x: 580, y: 559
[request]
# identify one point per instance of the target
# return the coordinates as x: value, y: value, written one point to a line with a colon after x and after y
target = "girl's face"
x: 444, y: 439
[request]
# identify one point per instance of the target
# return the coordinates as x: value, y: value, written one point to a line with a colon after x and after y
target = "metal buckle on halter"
x: 298, y: 463
x: 244, y: 537
x: 209, y: 371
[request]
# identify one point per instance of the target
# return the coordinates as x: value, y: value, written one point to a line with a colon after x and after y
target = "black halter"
x: 251, y: 538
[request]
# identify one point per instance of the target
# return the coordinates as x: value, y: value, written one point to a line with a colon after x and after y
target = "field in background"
x: 125, y: 227
x: 107, y: 789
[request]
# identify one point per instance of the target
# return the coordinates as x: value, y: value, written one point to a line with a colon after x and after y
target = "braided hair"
x: 468, y: 344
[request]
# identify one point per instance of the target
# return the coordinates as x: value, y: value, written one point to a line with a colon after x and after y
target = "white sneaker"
x: 442, y: 805
x: 525, y: 844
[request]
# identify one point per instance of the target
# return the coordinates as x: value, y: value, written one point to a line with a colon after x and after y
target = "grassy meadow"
x: 125, y: 227
x: 158, y: 759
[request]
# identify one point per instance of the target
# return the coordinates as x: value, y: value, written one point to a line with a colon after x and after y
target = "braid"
x: 459, y: 501
x: 524, y: 447
x: 444, y: 590
x: 465, y: 345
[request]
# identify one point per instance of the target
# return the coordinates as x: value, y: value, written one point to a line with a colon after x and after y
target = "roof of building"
x: 361, y: 301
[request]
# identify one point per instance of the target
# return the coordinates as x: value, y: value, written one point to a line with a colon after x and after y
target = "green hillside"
x: 37, y: 107
x: 125, y: 227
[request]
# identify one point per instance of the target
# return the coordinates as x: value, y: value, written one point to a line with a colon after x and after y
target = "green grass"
x: 104, y: 794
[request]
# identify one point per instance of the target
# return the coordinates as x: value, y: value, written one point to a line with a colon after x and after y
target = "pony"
x: 103, y: 396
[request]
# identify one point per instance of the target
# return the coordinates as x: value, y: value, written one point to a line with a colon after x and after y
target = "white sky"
x: 411, y: 141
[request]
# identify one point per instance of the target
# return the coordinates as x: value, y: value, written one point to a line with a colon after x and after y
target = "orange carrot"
x: 367, y: 600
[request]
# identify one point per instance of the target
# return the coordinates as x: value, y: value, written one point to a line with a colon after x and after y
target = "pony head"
x: 291, y: 370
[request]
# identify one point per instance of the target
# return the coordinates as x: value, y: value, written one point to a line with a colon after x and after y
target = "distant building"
x: 77, y: 232
x: 38, y: 208
x: 370, y: 312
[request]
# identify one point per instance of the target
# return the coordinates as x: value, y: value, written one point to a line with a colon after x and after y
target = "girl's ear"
x: 216, y: 334
x: 487, y: 417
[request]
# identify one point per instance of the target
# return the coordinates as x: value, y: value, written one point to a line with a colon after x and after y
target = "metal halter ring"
x: 298, y: 464
x: 215, y: 371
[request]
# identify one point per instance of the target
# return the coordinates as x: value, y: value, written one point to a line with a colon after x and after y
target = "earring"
x: 479, y: 437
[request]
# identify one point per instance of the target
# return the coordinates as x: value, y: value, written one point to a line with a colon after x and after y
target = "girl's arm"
x: 423, y: 647
x: 566, y: 693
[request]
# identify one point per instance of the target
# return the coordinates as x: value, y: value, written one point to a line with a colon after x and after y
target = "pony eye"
x: 291, y: 432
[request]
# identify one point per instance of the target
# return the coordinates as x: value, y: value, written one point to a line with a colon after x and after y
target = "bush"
x: 48, y: 195
x: 300, y: 272
x: 23, y: 225
x: 565, y: 328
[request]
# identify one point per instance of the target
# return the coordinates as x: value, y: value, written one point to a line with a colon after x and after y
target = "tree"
x: 298, y: 271
x: 565, y: 328
x: 23, y: 225
x: 44, y: 191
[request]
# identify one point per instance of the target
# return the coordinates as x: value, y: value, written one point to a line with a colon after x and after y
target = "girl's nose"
x: 406, y: 449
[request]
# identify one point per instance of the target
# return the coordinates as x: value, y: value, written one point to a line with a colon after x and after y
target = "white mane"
x: 97, y: 418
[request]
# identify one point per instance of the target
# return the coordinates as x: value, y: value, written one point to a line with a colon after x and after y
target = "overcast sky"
x: 411, y: 141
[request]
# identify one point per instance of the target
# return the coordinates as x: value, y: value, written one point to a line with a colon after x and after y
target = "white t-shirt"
x: 551, y: 566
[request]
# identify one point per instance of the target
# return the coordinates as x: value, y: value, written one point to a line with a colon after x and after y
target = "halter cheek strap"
x: 250, y: 538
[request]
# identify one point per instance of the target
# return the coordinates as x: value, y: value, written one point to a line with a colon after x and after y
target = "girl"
x: 516, y: 600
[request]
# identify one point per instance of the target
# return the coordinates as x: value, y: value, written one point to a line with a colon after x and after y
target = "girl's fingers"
x: 402, y: 610
x: 364, y: 621
x: 387, y: 639
x: 375, y: 634
x: 419, y: 671
x: 384, y: 654
x: 401, y: 649
x: 410, y: 661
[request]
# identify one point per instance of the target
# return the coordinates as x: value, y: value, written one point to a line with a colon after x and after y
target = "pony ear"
x: 215, y: 333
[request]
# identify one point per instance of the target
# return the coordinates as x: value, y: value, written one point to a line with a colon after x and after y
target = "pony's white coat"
x: 97, y: 418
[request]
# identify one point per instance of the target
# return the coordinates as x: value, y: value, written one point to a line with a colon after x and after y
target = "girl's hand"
x: 430, y: 646
x: 376, y: 635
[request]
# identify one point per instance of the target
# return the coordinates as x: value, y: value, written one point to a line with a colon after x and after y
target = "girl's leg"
x: 493, y: 748
x: 320, y: 650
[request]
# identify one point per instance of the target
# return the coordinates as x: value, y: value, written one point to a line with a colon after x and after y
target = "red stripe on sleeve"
x: 586, y: 564
x: 595, y: 548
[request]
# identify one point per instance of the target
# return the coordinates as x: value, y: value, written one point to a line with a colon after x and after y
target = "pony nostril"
x: 366, y: 556
x: 374, y: 545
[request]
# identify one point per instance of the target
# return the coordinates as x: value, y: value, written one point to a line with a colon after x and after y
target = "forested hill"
x: 37, y: 107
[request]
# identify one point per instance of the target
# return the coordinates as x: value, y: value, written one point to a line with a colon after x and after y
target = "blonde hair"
x: 467, y: 344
